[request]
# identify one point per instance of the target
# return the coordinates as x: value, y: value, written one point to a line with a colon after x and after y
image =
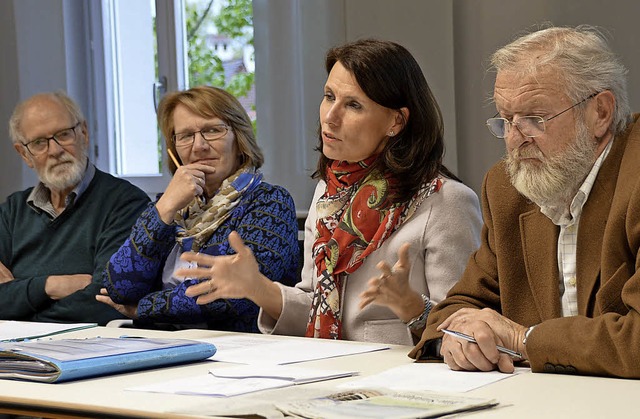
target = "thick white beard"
x: 60, y: 179
x: 557, y: 179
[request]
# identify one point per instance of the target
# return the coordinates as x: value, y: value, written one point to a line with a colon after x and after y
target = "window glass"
x: 130, y: 63
x: 151, y: 47
x: 220, y: 47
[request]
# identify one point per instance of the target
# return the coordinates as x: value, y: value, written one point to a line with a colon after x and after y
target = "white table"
x: 524, y: 396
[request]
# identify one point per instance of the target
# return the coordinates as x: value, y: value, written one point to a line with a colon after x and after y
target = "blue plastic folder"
x: 54, y: 361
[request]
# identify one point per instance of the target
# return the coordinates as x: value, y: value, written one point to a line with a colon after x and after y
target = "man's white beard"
x: 60, y: 177
x: 555, y: 180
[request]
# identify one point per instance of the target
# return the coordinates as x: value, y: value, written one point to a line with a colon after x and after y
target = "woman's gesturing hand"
x: 232, y: 276
x: 392, y: 288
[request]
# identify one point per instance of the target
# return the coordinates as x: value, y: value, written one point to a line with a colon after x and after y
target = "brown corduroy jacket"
x: 515, y: 271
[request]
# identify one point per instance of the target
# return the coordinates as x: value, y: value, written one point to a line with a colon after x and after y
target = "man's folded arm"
x: 22, y: 297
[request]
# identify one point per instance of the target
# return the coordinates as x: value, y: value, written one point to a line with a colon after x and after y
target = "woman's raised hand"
x: 392, y: 288
x: 232, y: 276
x: 188, y: 182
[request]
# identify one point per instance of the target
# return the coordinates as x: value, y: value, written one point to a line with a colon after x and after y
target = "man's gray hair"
x: 580, y: 55
x: 15, y: 130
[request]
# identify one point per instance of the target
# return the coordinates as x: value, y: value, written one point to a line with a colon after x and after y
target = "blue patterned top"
x: 265, y: 218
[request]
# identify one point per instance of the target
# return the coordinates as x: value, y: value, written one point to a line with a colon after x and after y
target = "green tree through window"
x: 232, y: 20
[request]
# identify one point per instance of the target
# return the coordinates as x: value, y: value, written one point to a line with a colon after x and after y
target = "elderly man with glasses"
x: 556, y: 277
x: 56, y: 238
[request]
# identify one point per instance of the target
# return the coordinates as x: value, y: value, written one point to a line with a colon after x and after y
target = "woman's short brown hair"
x: 211, y: 102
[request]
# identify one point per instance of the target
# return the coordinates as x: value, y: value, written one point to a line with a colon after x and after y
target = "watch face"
x: 420, y: 321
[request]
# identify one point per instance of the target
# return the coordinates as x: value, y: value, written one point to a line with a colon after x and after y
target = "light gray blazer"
x: 443, y: 233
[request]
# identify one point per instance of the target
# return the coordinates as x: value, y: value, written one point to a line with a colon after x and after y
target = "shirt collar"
x: 40, y: 197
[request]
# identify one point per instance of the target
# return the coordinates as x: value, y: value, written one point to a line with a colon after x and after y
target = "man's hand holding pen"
x: 460, y: 335
x: 489, y: 330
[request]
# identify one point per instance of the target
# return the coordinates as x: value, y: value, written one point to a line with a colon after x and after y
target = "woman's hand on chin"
x: 187, y: 183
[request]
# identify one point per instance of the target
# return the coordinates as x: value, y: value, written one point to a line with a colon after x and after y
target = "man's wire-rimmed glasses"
x: 211, y: 133
x: 63, y: 137
x: 529, y: 126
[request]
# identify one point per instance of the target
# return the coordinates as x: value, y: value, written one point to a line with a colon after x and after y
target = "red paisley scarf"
x: 355, y: 216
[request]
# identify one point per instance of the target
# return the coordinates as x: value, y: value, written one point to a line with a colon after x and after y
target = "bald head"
x: 37, y: 107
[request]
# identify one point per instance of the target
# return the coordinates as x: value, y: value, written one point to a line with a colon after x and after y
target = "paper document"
x: 376, y: 404
x: 11, y: 330
x: 261, y: 350
x: 429, y: 377
x: 297, y: 375
x: 210, y: 385
x: 236, y: 380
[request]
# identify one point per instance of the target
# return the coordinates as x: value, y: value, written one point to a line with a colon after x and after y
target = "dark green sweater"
x: 79, y: 241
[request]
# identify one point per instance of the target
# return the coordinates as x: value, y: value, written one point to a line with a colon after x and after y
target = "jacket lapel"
x: 541, y: 262
x: 592, y: 225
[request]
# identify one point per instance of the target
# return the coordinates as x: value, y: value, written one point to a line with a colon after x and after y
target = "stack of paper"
x: 262, y: 350
x: 233, y: 381
x: 295, y: 375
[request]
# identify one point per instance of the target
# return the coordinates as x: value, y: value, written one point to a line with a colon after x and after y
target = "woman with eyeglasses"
x: 216, y: 188
x: 390, y: 229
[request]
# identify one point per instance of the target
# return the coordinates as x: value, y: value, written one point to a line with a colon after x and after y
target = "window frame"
x: 287, y: 88
x: 172, y: 70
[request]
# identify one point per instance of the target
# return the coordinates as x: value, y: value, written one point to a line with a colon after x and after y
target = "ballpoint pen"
x: 468, y: 338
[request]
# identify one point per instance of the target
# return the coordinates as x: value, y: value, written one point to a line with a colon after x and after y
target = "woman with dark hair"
x: 216, y: 188
x: 383, y: 199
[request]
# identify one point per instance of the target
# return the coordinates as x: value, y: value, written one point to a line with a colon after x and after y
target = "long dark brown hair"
x: 389, y: 75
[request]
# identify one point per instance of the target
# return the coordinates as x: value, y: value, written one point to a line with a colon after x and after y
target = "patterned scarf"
x: 199, y: 220
x: 355, y: 216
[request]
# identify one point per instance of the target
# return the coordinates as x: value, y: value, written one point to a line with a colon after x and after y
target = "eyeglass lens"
x: 529, y: 126
x: 41, y: 145
x: 209, y: 134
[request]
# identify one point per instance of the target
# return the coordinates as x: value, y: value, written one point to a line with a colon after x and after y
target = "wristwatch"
x: 420, y: 321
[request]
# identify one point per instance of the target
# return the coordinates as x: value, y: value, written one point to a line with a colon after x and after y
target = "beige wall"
x: 290, y: 58
x: 41, y: 45
x: 451, y: 40
x: 10, y: 163
x: 481, y: 26
x: 426, y: 29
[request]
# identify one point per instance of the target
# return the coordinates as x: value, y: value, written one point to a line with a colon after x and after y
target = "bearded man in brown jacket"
x: 556, y: 277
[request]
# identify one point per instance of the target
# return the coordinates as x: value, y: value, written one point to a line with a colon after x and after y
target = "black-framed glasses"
x: 63, y: 137
x: 211, y: 133
x: 529, y: 126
